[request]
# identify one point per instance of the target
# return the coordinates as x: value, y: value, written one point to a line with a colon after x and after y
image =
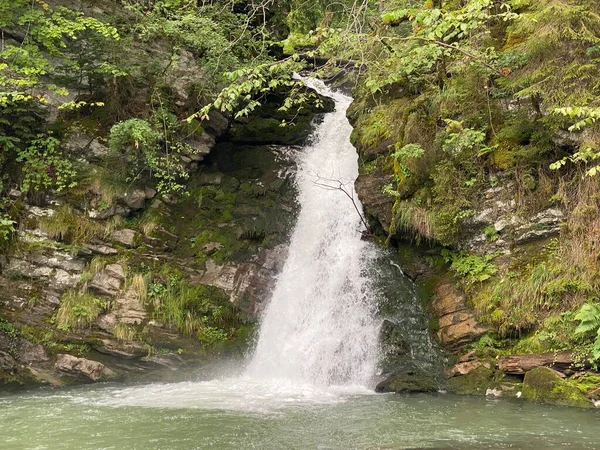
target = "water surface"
x: 247, y: 414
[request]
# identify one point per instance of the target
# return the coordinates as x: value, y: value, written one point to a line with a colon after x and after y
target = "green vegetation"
x: 589, y: 315
x: 199, y: 310
x: 471, y: 268
x: 68, y: 226
x: 78, y: 310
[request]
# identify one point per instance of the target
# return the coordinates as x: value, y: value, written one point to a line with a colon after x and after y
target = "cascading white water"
x: 318, y: 341
x: 319, y: 326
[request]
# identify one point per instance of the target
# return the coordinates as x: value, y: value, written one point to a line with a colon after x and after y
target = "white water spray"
x: 318, y: 342
x: 319, y: 326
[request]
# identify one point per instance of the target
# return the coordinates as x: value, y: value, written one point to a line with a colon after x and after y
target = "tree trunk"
x: 519, y: 364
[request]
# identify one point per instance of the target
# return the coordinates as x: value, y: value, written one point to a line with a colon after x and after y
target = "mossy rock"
x: 544, y: 385
x: 476, y: 382
x: 407, y: 381
x: 266, y: 130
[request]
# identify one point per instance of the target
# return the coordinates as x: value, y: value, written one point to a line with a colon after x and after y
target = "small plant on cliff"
x: 589, y: 317
x: 78, y: 310
x: 472, y: 268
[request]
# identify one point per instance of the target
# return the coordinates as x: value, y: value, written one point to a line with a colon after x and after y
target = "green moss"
x: 546, y: 386
x: 588, y: 384
x: 476, y: 382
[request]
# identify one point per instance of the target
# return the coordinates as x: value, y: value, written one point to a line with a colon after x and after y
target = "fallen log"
x: 520, y: 364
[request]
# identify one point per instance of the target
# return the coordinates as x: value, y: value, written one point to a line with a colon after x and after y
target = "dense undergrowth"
x: 475, y: 103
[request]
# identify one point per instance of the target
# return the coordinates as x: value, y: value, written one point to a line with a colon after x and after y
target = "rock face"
x: 457, y: 324
x: 246, y: 209
x: 125, y: 237
x: 377, y: 204
x: 543, y: 384
x: 72, y: 365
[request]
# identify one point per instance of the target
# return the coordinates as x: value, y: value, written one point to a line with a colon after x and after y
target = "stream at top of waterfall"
x: 308, y: 384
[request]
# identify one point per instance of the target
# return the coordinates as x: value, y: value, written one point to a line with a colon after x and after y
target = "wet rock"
x: 544, y: 385
x: 72, y: 365
x: 395, y: 346
x: 409, y: 380
x: 476, y: 382
x: 125, y: 237
x: 493, y: 393
x: 378, y: 204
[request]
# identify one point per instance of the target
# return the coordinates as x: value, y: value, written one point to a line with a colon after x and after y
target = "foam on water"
x: 234, y: 394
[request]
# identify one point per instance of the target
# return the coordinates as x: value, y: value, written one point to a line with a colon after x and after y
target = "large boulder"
x: 72, y: 365
x: 544, y: 385
x: 475, y: 382
x: 411, y: 379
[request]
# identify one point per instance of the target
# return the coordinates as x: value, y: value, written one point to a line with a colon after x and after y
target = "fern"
x: 589, y: 317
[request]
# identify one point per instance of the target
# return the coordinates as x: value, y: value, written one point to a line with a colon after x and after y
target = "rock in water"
x: 409, y: 380
x: 545, y: 385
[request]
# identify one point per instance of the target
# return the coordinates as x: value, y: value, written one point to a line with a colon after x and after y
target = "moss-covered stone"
x: 546, y: 386
x: 476, y: 382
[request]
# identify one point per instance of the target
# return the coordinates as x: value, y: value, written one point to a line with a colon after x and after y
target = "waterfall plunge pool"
x: 245, y: 414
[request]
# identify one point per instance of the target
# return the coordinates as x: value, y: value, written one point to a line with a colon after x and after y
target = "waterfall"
x: 319, y: 326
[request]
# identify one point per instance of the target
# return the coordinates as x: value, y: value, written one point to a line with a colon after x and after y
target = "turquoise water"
x: 245, y: 414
